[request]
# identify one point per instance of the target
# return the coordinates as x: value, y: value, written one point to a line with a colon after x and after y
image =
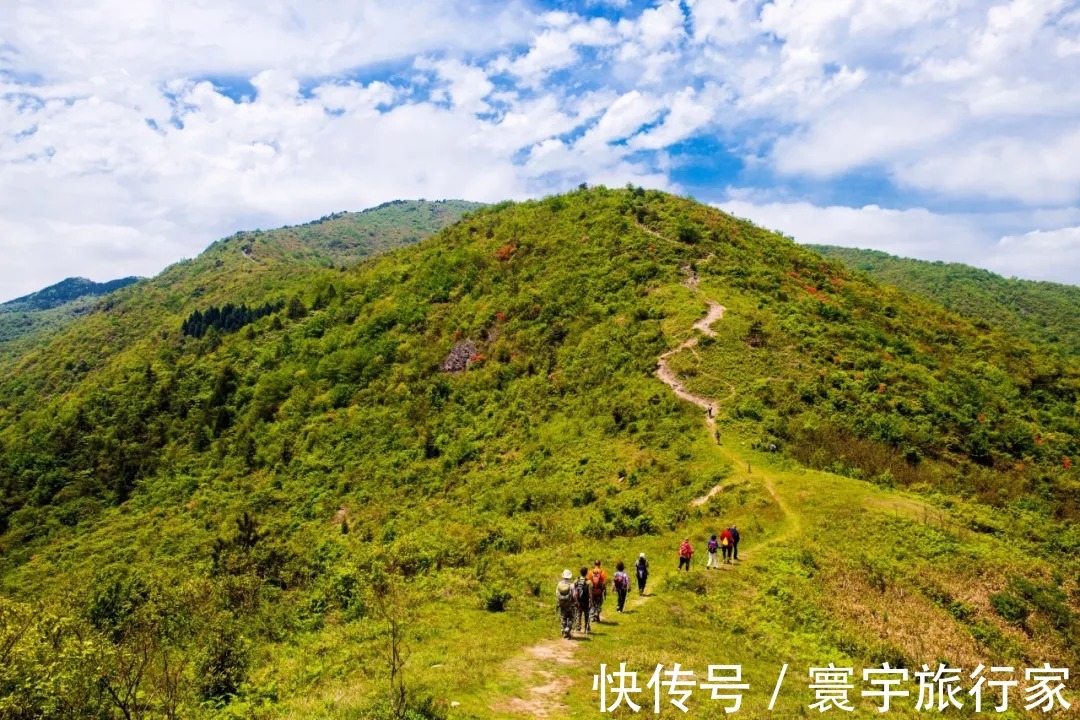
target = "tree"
x: 755, y: 336
x: 223, y: 663
x: 296, y: 309
x: 392, y: 606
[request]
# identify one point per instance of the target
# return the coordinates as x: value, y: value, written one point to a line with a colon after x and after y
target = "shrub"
x: 496, y: 599
x: 1009, y: 607
x: 223, y: 663
x: 961, y: 610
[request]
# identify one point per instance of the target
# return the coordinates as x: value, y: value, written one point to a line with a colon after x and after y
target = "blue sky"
x: 134, y: 134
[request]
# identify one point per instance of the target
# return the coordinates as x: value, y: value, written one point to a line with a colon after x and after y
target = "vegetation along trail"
x: 668, y: 377
x: 362, y: 497
x: 546, y: 666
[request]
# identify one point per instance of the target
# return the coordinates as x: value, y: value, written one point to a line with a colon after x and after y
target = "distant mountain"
x: 338, y: 240
x: 1044, y: 312
x: 345, y: 238
x: 63, y: 292
x: 27, y: 320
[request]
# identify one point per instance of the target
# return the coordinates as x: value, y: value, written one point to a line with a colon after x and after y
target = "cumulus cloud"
x: 919, y: 233
x: 1025, y: 255
x: 132, y: 134
x: 162, y: 39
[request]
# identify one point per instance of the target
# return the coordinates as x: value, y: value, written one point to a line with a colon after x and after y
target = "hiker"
x: 598, y: 581
x: 642, y: 573
x: 734, y: 542
x: 583, y: 593
x: 567, y: 601
x: 621, y: 583
x: 712, y: 547
x: 726, y: 542
x: 685, y: 553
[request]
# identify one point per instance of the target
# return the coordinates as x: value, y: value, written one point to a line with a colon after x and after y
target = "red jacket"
x: 685, y: 550
x: 726, y: 535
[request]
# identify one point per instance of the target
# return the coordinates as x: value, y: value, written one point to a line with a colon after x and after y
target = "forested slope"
x: 1043, y: 312
x: 258, y: 504
x: 25, y: 321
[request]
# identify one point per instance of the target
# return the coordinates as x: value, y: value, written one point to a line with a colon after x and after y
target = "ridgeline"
x: 308, y: 513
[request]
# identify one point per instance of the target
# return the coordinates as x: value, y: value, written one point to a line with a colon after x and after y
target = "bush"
x: 961, y: 610
x: 688, y: 232
x: 496, y: 599
x: 998, y: 643
x: 223, y: 663
x: 1050, y: 600
x: 1009, y: 607
x: 115, y: 597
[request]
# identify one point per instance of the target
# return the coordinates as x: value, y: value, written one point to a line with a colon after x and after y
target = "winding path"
x: 669, y: 378
x: 540, y: 662
x: 663, y: 368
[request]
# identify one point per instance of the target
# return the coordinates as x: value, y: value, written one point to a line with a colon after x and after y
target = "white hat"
x: 567, y: 575
x: 642, y: 555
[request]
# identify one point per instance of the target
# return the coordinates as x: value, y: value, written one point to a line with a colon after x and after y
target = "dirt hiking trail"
x: 668, y: 377
x: 545, y: 667
x: 546, y: 664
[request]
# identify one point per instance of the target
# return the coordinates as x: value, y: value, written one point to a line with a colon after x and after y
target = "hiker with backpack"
x: 598, y: 583
x: 712, y: 547
x: 567, y: 602
x: 621, y: 583
x: 685, y: 553
x: 734, y: 542
x: 642, y: 573
x: 583, y: 594
x: 725, y: 545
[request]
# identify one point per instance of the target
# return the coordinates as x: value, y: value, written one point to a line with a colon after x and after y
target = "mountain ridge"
x: 65, y: 291
x: 264, y: 505
x: 244, y: 260
x: 1041, y: 311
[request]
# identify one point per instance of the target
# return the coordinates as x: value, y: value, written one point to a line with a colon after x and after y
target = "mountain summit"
x: 300, y: 488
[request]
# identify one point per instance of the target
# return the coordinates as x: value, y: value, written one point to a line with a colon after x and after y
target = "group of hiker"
x: 727, y: 544
x: 581, y: 599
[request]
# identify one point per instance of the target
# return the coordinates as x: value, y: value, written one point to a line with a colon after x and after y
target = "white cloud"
x: 116, y: 144
x: 919, y: 233
x: 625, y: 116
x: 157, y: 39
x: 557, y: 47
x: 688, y: 112
x: 466, y: 85
x: 1043, y: 254
x: 660, y: 26
x: 722, y: 21
x: 871, y: 128
x: 1035, y: 170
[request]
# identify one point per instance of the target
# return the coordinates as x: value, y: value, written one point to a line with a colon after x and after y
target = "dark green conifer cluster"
x: 227, y: 318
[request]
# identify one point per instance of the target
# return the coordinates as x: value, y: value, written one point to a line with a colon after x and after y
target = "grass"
x: 558, y: 446
x: 832, y: 570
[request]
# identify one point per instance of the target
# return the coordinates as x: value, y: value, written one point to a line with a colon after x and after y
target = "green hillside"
x: 1042, y: 312
x: 264, y: 486
x: 340, y: 239
x: 27, y: 320
x: 64, y: 292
